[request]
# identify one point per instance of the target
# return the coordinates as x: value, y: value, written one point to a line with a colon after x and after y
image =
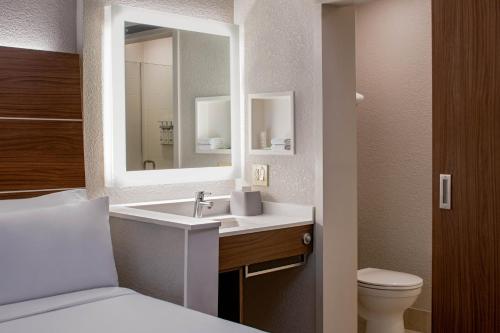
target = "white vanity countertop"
x: 275, y: 216
x: 262, y: 222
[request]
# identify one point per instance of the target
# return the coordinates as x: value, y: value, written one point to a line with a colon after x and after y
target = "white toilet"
x: 383, y: 297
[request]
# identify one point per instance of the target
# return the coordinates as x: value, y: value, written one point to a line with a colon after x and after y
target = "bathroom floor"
x: 362, y: 327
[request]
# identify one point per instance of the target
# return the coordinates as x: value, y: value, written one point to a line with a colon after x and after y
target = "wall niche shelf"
x: 214, y: 151
x: 271, y: 123
x: 213, y: 125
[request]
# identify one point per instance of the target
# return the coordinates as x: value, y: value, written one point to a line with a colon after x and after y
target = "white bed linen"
x: 109, y: 310
x: 48, y: 200
x: 55, y: 250
x: 37, y: 306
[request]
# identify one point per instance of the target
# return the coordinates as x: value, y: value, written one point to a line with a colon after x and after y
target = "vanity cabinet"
x: 245, y: 255
x: 159, y: 256
x: 258, y: 247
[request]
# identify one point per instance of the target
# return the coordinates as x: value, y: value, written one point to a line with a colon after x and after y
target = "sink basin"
x: 229, y: 222
x: 219, y: 212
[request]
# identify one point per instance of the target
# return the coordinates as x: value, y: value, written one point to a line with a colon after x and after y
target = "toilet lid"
x: 390, y: 279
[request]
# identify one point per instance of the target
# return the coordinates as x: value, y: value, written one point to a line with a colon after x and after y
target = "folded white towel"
x: 217, y: 143
x: 281, y: 141
x: 204, y: 141
x: 280, y: 147
x: 216, y: 140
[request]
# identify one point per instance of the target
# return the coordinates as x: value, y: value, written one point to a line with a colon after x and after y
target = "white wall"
x: 338, y: 210
x: 394, y: 72
x: 43, y: 25
x: 220, y: 10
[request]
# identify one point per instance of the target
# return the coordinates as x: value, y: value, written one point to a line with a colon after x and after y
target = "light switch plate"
x: 260, y: 175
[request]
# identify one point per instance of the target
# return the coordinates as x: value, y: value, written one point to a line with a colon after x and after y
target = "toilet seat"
x: 374, y: 278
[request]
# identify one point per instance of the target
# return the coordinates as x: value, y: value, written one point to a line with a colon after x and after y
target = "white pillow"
x: 55, y: 250
x: 48, y: 200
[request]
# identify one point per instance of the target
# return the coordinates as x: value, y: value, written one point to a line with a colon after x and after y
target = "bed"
x: 57, y: 274
x: 108, y: 310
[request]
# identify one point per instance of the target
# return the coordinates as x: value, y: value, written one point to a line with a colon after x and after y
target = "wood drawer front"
x: 240, y: 250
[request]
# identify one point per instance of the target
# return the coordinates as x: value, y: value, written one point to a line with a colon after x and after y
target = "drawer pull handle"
x: 275, y: 269
x: 307, y: 238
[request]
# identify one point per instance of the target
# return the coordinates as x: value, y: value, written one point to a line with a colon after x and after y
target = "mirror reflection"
x: 177, y: 88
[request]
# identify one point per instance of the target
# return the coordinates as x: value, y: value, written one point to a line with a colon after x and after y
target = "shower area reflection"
x: 149, y: 97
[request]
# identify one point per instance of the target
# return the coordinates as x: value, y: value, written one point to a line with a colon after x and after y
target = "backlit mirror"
x: 171, y: 99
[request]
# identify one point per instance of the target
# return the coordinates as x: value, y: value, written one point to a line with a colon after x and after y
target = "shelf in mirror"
x: 213, y: 125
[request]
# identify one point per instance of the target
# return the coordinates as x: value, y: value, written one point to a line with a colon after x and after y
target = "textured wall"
x: 278, y: 57
x: 43, y: 25
x: 394, y: 73
x: 220, y: 10
x: 205, y: 72
x: 278, y: 37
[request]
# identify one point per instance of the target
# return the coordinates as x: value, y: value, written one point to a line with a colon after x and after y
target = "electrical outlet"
x: 260, y: 175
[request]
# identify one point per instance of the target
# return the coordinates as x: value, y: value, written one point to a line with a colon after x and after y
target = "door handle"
x: 445, y: 191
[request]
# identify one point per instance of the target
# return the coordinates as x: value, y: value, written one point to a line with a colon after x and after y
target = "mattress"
x: 107, y: 310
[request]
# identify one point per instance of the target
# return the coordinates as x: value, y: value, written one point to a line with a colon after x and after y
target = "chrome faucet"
x: 199, y: 203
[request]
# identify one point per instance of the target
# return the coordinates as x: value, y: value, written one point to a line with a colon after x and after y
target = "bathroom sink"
x: 219, y: 212
x: 232, y: 222
x: 229, y: 222
x: 179, y: 213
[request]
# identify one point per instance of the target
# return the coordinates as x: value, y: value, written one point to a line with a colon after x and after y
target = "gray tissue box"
x: 246, y: 203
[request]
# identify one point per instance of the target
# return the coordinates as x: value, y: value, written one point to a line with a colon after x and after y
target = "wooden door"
x: 466, y: 144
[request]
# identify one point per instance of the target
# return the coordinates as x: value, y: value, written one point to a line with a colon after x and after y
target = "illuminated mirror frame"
x: 115, y: 169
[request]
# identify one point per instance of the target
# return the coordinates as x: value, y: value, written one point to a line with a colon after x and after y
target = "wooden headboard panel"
x: 41, y: 126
